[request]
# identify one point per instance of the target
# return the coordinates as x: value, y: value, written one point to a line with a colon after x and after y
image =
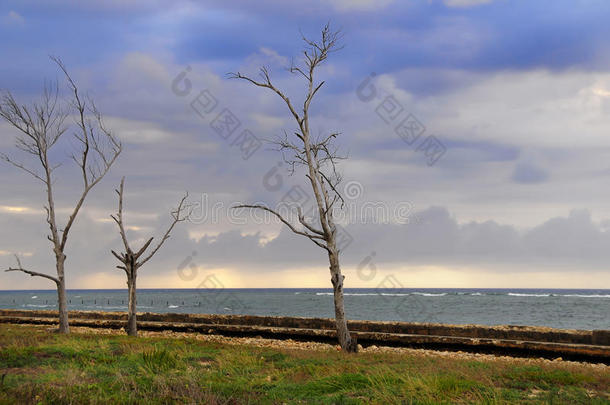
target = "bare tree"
x: 319, y: 156
x: 130, y: 259
x: 41, y: 125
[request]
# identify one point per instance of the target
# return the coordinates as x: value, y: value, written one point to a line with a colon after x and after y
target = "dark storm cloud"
x: 433, y: 237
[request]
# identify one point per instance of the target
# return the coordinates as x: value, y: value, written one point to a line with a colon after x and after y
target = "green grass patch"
x: 37, y: 366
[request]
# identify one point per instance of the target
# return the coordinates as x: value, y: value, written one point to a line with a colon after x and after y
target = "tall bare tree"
x: 41, y: 125
x: 130, y: 259
x: 319, y: 156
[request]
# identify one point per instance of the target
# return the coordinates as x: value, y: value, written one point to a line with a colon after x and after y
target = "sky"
x: 475, y: 131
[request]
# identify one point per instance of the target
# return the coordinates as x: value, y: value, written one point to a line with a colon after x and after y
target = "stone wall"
x: 504, y: 332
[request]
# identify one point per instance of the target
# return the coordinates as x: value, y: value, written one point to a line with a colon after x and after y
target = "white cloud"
x: 554, y: 124
x: 7, y: 253
x: 272, y: 54
x: 465, y: 3
x: 138, y: 132
x: 526, y: 108
x: 359, y: 5
x: 146, y: 65
x: 14, y: 18
x: 268, y: 123
x: 534, y: 108
x: 19, y: 210
x: 267, y: 57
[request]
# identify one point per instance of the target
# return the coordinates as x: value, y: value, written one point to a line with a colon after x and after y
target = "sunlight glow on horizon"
x: 318, y: 277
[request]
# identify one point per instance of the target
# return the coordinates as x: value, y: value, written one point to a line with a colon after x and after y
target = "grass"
x: 37, y: 366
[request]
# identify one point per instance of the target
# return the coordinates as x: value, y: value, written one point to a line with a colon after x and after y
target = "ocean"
x: 570, y: 309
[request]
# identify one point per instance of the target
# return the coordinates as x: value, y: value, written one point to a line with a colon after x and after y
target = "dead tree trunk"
x: 130, y: 260
x: 337, y: 278
x: 319, y: 157
x: 62, y: 299
x: 41, y: 125
x: 132, y: 326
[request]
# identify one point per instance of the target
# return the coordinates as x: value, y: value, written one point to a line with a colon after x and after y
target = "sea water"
x: 572, y: 309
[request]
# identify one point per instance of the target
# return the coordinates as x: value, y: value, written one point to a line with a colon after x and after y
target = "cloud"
x: 268, y: 123
x: 465, y: 3
x: 16, y: 210
x: 359, y: 5
x: 273, y: 55
x: 138, y: 132
x: 14, y: 18
x: 529, y: 174
x: 20, y: 254
x: 434, y: 239
x: 512, y: 106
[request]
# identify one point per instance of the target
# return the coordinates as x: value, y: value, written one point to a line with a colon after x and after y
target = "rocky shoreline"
x: 291, y: 344
x: 471, y: 340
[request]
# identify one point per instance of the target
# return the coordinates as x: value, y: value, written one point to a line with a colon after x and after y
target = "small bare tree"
x: 41, y: 125
x: 130, y: 259
x: 319, y: 156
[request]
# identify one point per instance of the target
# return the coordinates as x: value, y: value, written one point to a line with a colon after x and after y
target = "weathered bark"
x: 345, y: 339
x: 132, y: 327
x: 62, y: 301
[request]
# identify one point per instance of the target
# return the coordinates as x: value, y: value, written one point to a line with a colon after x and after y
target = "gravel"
x: 316, y: 346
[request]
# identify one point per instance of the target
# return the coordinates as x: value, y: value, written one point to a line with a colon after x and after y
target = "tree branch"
x: 119, y: 218
x: 180, y: 214
x: 313, y: 237
x: 91, y: 171
x: 31, y: 273
x: 306, y: 225
x: 129, y: 258
x: 267, y: 84
x: 21, y: 166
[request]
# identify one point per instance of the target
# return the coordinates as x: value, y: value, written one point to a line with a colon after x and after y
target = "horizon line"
x: 313, y: 288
